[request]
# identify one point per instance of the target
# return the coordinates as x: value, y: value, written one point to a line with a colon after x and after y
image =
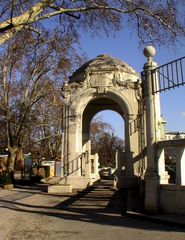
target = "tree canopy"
x: 153, y: 20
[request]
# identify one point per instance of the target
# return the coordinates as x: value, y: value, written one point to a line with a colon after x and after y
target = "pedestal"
x: 125, y: 172
x: 59, y: 189
x: 151, y: 192
x: 127, y: 181
x: 7, y: 186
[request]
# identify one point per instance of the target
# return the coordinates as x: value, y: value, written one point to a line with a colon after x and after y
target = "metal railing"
x: 72, y: 166
x: 136, y: 124
x: 168, y: 76
x: 77, y: 164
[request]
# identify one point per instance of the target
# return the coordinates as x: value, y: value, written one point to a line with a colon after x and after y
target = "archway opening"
x: 107, y: 137
x: 103, y: 132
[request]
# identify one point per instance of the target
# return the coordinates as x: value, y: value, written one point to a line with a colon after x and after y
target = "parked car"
x: 105, y: 173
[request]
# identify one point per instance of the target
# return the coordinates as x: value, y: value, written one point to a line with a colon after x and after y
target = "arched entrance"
x: 102, y: 83
x: 106, y: 145
x: 107, y: 137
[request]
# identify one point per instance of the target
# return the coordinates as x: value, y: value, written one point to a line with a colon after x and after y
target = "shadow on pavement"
x: 97, y: 204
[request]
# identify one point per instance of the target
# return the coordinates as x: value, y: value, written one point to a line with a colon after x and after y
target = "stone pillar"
x: 120, y: 168
x: 129, y: 167
x: 120, y: 163
x: 83, y: 164
x: 116, y: 159
x: 87, y: 165
x: 96, y: 163
x: 79, y: 165
x: 151, y: 177
x: 125, y: 171
x: 163, y: 175
x: 93, y: 167
x: 180, y: 166
x: 129, y: 179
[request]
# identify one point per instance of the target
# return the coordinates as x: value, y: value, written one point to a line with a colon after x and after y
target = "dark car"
x: 105, y: 173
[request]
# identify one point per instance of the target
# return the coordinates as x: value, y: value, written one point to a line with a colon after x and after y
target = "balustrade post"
x: 163, y: 174
x: 96, y: 163
x: 87, y: 164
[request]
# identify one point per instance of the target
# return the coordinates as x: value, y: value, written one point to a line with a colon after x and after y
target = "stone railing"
x: 94, y: 163
x: 178, y: 146
x: 172, y: 196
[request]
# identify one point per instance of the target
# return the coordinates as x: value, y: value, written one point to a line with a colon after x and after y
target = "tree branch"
x: 17, y: 23
x: 32, y: 15
x: 47, y: 137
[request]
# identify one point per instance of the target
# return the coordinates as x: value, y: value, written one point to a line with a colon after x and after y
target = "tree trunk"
x: 19, y: 160
x: 11, y: 158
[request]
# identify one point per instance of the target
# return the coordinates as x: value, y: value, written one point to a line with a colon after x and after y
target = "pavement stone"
x: 29, y: 212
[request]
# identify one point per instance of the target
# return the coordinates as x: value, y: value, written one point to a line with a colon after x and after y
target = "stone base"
x: 7, y: 186
x: 79, y: 182
x: 164, y: 179
x: 151, y: 192
x: 59, y: 189
x: 50, y: 180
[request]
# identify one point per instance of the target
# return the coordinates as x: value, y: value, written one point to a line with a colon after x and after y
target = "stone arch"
x: 98, y: 104
x: 90, y: 95
x: 102, y: 83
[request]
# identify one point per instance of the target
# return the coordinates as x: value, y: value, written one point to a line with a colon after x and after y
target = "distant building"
x: 174, y: 135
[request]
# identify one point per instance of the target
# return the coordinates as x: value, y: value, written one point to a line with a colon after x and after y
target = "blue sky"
x: 125, y: 47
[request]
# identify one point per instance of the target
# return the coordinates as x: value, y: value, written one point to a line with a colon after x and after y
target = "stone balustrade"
x: 179, y: 150
x: 172, y: 196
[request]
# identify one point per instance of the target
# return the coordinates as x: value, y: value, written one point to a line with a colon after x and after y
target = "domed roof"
x: 99, y: 64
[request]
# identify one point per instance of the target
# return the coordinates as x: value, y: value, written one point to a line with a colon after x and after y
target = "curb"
x: 156, y: 219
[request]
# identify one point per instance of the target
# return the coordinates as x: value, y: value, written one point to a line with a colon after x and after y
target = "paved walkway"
x: 30, y: 213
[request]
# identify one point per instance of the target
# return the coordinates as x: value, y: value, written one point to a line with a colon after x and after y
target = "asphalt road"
x: 28, y: 212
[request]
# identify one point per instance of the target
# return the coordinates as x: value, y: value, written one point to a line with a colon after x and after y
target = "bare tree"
x: 28, y: 70
x: 154, y: 20
x: 45, y: 134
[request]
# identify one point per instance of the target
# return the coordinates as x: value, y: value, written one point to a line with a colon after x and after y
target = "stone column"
x: 96, y: 163
x: 129, y: 179
x: 129, y: 167
x: 87, y: 164
x: 151, y: 177
x: 125, y: 170
x: 116, y: 159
